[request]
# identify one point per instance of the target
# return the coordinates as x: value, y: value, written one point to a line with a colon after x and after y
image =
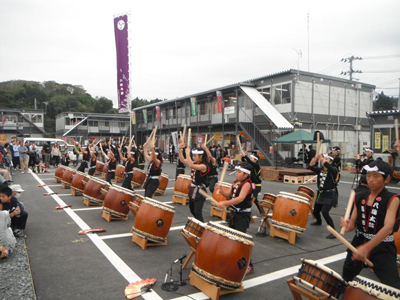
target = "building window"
x: 203, y: 108
x: 93, y: 123
x: 107, y: 123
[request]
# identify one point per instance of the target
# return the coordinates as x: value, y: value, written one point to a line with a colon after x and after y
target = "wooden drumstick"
x: 396, y: 128
x: 318, y: 144
x: 184, y: 133
x: 207, y: 196
x: 209, y: 140
x: 224, y: 168
x: 189, y: 138
x: 348, y: 209
x: 239, y: 143
x: 205, y: 140
x: 347, y: 244
x: 155, y: 134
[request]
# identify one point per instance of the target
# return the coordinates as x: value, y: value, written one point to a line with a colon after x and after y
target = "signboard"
x: 385, y: 143
x: 200, y: 140
x: 229, y: 110
x: 377, y: 140
x: 220, y: 101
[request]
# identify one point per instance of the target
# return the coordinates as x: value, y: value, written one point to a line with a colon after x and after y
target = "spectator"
x: 16, y: 210
x: 56, y: 153
x: 46, y: 151
x: 24, y: 157
x: 171, y: 153
x: 16, y: 155
x: 33, y: 156
x: 310, y: 155
x: 7, y: 239
x: 8, y: 162
x: 66, y: 160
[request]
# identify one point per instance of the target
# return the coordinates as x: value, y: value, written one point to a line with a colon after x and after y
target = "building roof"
x: 119, y: 116
x: 383, y: 112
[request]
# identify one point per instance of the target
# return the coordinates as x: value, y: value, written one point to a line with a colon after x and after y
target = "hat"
x: 337, y: 148
x: 17, y: 188
x: 369, y: 150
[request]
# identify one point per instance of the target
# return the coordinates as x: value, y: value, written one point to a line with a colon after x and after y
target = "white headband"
x: 369, y: 150
x: 243, y: 170
x: 133, y: 153
x: 254, y: 157
x: 198, y: 151
x: 327, y: 156
x: 156, y: 153
x: 374, y: 169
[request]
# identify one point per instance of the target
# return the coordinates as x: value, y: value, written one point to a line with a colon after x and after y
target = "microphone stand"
x: 181, y: 282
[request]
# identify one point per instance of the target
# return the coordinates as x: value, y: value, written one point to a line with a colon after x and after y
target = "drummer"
x: 374, y: 217
x: 337, y: 163
x: 111, y: 162
x: 240, y: 197
x: 154, y: 169
x: 327, y: 178
x: 85, y: 151
x: 129, y: 164
x: 255, y: 175
x: 93, y: 160
x: 199, y: 174
x: 140, y: 156
x: 213, y: 166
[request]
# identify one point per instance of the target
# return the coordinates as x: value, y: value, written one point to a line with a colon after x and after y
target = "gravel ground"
x: 16, y: 280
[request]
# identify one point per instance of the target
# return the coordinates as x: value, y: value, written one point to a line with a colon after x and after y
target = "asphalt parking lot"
x: 66, y: 265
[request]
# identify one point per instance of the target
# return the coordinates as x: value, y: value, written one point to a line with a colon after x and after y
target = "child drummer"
x: 240, y: 197
x: 327, y: 179
x: 374, y: 217
x: 154, y: 169
x: 129, y: 160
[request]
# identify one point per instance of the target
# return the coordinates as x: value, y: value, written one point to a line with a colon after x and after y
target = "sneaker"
x: 316, y: 223
x: 250, y: 270
x: 331, y: 237
x: 19, y: 234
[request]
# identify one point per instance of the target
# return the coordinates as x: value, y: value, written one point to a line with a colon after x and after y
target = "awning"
x: 298, y: 137
x: 275, y: 116
x: 76, y: 126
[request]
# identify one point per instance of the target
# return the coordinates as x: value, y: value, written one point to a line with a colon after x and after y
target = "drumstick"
x: 310, y: 179
x: 189, y: 139
x: 154, y: 135
x: 239, y: 143
x: 209, y: 140
x: 396, y: 128
x: 80, y: 141
x: 318, y: 142
x: 347, y: 214
x: 184, y: 132
x: 347, y: 244
x: 224, y: 168
x: 207, y: 196
x: 205, y: 140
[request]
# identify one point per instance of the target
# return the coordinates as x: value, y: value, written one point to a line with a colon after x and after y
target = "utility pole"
x: 398, y: 99
x: 351, y: 70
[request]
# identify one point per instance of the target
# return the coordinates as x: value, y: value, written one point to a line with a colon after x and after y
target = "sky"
x: 181, y: 47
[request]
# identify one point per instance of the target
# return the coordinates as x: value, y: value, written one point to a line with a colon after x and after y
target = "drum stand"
x: 192, y: 243
x: 159, y: 193
x: 297, y: 292
x: 109, y: 217
x: 144, y: 242
x: 262, y: 230
x: 65, y: 185
x: 88, y: 203
x: 56, y: 180
x: 179, y: 199
x: 74, y: 192
x: 217, y: 212
x: 211, y: 290
x: 290, y: 236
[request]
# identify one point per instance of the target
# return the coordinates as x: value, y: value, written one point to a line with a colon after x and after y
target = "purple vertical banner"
x: 121, y: 43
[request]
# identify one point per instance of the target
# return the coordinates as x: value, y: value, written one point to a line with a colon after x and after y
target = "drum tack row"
x: 153, y: 220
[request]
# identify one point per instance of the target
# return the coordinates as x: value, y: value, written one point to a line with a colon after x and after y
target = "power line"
x: 382, y: 71
x: 382, y: 56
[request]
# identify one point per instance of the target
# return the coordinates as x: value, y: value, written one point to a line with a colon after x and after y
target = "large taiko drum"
x: 104, y: 171
x: 164, y: 179
x: 194, y: 228
x: 368, y: 289
x: 223, y: 255
x: 78, y: 182
x: 226, y: 187
x: 320, y: 280
x: 116, y: 201
x: 99, y: 167
x: 67, y: 177
x: 290, y: 212
x: 94, y: 190
x: 270, y: 198
x: 135, y: 204
x: 306, y: 192
x: 59, y: 173
x: 182, y: 185
x: 138, y: 177
x: 119, y: 173
x: 153, y: 220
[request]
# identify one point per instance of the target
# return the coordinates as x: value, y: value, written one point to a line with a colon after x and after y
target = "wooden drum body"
x: 153, y: 220
x: 290, y: 212
x: 194, y: 228
x: 306, y: 192
x: 135, y: 204
x: 119, y: 173
x: 182, y: 185
x: 99, y: 167
x: 67, y: 177
x: 93, y: 190
x: 138, y: 177
x: 270, y: 198
x: 78, y: 182
x: 59, y: 173
x: 104, y: 172
x: 368, y: 289
x: 223, y: 255
x: 320, y: 280
x: 164, y: 179
x: 226, y: 187
x: 116, y: 201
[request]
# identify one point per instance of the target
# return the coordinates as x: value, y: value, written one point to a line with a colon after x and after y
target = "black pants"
x: 382, y: 256
x: 171, y: 158
x: 151, y: 187
x: 32, y: 161
x: 196, y: 207
x: 324, y: 208
x: 19, y: 222
x: 211, y: 183
x: 15, y: 160
x: 110, y: 176
x: 179, y: 171
x: 91, y: 171
x: 336, y: 198
x: 56, y: 160
x: 141, y: 166
x: 128, y: 182
x: 82, y: 167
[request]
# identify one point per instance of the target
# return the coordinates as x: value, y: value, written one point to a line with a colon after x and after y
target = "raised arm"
x: 209, y: 155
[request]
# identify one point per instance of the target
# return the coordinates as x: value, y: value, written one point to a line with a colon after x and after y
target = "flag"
x: 133, y: 114
x: 122, y: 48
x: 220, y: 99
x: 144, y: 116
x: 193, y: 106
x: 158, y: 113
x: 175, y: 139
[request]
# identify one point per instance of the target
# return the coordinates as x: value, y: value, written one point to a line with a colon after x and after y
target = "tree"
x: 103, y: 106
x: 385, y: 102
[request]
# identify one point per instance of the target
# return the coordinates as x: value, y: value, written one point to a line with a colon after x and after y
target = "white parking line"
x: 114, y: 259
x: 89, y: 208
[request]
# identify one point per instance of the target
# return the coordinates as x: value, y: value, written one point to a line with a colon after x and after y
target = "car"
x: 39, y: 142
